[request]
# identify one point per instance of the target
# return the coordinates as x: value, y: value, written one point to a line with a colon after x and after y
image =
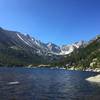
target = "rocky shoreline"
x: 93, y: 70
x: 71, y: 68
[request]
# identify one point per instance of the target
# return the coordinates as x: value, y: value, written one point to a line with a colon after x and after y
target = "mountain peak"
x: 53, y: 47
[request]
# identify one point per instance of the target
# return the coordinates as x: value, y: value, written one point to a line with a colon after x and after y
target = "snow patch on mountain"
x: 67, y: 49
x: 23, y: 40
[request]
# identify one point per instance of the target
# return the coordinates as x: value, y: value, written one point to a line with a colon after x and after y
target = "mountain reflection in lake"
x: 46, y: 84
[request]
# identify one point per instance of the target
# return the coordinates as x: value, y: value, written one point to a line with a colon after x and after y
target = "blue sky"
x: 57, y: 21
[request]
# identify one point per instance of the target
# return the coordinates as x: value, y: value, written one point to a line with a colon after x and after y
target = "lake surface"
x: 46, y: 84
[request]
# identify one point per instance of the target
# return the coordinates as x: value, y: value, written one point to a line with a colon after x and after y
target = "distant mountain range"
x: 17, y: 49
x: 15, y: 39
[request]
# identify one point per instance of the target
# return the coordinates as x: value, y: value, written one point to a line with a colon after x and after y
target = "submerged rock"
x: 14, y: 83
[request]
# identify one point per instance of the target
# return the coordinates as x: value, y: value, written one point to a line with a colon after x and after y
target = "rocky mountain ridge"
x: 16, y: 39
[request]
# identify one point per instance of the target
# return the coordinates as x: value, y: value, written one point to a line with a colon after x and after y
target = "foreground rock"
x: 94, y: 78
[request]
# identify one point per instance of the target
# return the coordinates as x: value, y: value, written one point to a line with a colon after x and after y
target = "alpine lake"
x: 47, y: 84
